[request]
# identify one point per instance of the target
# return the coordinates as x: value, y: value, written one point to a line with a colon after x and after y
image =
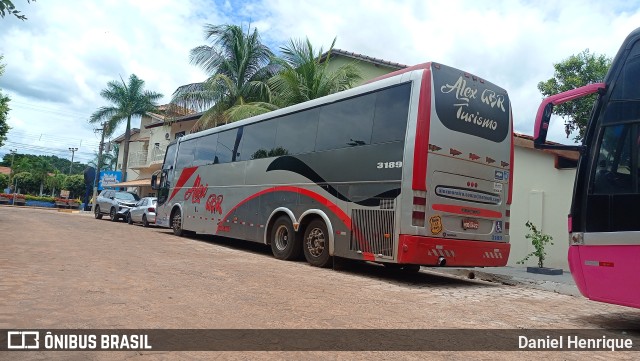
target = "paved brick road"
x: 60, y: 270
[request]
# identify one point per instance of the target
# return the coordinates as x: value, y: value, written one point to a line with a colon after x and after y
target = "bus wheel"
x: 176, y: 223
x: 316, y: 244
x: 284, y: 243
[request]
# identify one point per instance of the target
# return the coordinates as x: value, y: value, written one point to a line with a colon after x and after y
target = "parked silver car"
x: 114, y: 203
x: 143, y: 212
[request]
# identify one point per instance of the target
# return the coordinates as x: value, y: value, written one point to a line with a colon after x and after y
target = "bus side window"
x: 613, y: 172
x: 392, y: 110
x: 296, y: 133
x: 258, y: 141
x: 227, y: 146
x: 347, y: 123
x: 205, y: 150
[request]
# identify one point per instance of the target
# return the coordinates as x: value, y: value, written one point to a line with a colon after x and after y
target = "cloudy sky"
x: 59, y: 59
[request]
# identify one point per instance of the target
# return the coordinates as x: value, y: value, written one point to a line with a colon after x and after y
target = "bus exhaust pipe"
x: 442, y: 262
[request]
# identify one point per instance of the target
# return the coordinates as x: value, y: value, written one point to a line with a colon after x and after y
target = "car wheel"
x: 284, y: 243
x: 316, y: 244
x: 113, y: 215
x: 176, y: 223
x: 96, y: 213
x: 129, y: 220
x: 145, y: 223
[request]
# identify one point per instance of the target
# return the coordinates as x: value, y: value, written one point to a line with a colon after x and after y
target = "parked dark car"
x: 144, y: 212
x: 116, y: 204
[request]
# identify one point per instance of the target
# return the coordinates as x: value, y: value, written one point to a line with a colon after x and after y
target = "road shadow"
x: 370, y: 270
x: 627, y: 319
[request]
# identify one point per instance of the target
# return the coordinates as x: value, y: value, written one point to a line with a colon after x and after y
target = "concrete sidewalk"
x: 562, y: 284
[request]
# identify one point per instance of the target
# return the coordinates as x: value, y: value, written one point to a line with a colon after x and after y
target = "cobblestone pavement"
x: 61, y: 270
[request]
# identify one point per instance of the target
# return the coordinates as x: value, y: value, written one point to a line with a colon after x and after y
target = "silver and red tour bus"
x: 413, y: 168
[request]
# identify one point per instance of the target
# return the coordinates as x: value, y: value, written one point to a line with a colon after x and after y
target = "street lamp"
x: 73, y: 151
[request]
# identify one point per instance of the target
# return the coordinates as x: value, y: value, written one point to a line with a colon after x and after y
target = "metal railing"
x: 138, y: 159
x: 145, y: 158
x: 157, y: 156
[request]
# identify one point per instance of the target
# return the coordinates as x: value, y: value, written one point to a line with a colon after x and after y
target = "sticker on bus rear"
x: 436, y: 224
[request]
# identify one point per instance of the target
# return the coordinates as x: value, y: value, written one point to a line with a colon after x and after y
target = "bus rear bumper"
x: 429, y: 251
x: 607, y: 273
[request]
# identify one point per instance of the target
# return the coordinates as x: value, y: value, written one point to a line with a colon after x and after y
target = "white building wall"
x: 541, y: 194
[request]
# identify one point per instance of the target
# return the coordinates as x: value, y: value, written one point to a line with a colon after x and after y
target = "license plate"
x: 470, y: 224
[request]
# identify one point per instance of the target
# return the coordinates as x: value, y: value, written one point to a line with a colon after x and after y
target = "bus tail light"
x: 417, y: 218
x: 419, y: 208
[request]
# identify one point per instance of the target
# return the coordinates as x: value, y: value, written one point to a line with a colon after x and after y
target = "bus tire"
x: 176, y: 223
x: 284, y: 243
x: 316, y: 244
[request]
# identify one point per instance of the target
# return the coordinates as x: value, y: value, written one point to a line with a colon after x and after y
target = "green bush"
x: 539, y: 240
x: 75, y: 185
x: 26, y: 183
x: 41, y: 199
x: 4, y: 182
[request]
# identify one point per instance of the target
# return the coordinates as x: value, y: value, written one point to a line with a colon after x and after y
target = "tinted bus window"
x: 347, y: 123
x: 206, y: 150
x: 296, y: 133
x: 228, y: 142
x: 258, y: 140
x: 185, y: 154
x: 614, y: 170
x: 392, y: 110
x: 170, y: 156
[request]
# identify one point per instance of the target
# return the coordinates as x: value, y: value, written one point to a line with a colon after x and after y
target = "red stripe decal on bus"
x: 467, y: 211
x: 334, y: 208
x: 421, y: 149
x: 184, y: 177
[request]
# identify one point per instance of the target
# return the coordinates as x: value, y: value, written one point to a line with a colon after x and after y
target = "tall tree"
x: 305, y: 74
x: 577, y: 70
x: 129, y: 100
x: 4, y: 110
x: 40, y: 172
x: 238, y: 65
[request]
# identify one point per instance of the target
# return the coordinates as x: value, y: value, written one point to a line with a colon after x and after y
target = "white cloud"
x: 65, y: 53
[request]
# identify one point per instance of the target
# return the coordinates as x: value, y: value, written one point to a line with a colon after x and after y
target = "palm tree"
x: 239, y: 65
x: 40, y: 169
x: 109, y: 159
x: 305, y: 76
x: 129, y: 100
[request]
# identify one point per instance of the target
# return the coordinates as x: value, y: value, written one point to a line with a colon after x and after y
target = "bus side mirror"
x: 154, y: 182
x: 545, y: 110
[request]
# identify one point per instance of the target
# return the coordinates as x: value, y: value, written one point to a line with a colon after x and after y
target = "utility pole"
x: 13, y: 155
x: 99, y: 165
x: 73, y: 151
